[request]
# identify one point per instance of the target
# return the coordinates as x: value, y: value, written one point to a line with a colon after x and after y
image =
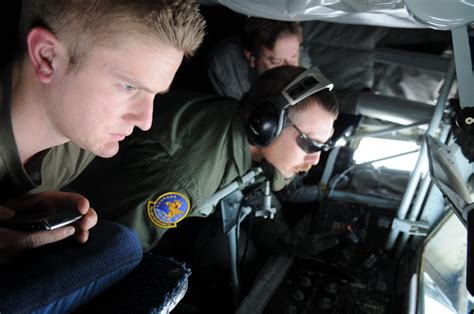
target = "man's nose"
x: 313, y: 158
x: 142, y: 113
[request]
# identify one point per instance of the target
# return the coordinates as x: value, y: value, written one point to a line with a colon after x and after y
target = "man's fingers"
x: 39, y: 238
x: 82, y: 203
x: 82, y: 236
x: 63, y: 200
x: 52, y: 200
x: 89, y: 220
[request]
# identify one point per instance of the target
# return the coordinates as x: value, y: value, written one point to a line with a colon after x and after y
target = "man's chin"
x: 108, y: 150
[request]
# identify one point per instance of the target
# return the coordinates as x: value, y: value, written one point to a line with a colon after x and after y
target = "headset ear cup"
x: 262, y: 124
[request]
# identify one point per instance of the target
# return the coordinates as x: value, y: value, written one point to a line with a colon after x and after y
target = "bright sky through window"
x: 375, y: 148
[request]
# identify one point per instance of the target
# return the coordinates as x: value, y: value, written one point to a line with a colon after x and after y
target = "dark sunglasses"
x: 310, y: 146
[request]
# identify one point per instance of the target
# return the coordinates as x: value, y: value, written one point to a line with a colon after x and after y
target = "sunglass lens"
x: 309, y: 146
x: 305, y: 144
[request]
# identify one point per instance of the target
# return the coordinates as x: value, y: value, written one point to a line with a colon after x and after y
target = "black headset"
x: 265, y: 120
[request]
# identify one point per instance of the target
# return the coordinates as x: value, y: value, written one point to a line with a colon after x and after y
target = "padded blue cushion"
x: 151, y: 287
x: 60, y: 277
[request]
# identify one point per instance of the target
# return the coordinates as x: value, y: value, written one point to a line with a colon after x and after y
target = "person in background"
x: 236, y: 62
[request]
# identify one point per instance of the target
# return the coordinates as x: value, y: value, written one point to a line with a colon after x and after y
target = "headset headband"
x: 304, y: 85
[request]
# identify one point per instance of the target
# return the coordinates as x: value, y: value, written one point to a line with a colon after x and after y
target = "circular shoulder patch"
x: 168, y: 209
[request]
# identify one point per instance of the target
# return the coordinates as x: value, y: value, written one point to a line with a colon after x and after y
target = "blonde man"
x: 85, y: 75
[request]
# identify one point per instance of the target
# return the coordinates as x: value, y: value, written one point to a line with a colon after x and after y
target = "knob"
x: 298, y: 296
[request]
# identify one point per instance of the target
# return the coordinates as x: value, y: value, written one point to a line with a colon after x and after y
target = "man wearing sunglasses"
x: 198, y: 144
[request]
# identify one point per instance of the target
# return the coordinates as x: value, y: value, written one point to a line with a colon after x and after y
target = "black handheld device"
x: 40, y: 219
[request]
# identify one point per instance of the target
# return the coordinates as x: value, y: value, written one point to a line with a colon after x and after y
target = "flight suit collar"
x: 20, y: 180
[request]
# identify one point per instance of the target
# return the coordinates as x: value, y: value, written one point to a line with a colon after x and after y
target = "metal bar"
x: 464, y: 69
x: 415, y: 175
x: 235, y: 185
x: 365, y: 199
x: 238, y: 183
x: 412, y: 294
x: 328, y: 169
x: 412, y: 59
x: 389, y: 157
x: 231, y: 199
x: 393, y: 109
x: 386, y: 131
x: 232, y: 239
x: 420, y: 198
x: 422, y: 191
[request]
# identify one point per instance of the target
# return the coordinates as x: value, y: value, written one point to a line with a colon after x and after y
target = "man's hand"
x: 50, y: 199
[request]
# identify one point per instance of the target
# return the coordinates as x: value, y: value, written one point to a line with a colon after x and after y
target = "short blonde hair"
x: 78, y: 23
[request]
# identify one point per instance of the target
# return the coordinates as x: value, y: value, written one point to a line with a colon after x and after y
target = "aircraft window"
x: 443, y: 269
x: 434, y: 299
x: 371, y: 148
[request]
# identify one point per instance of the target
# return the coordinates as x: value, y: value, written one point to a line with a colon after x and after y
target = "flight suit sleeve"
x: 147, y: 192
x: 228, y: 70
x: 222, y: 79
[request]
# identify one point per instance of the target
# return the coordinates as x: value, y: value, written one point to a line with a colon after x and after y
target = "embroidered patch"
x: 168, y: 209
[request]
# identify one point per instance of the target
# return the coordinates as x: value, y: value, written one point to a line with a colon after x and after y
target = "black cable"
x: 247, y: 242
x: 341, y: 268
x: 314, y: 212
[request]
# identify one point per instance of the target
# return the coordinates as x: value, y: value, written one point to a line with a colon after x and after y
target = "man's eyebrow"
x: 137, y: 84
x: 317, y: 140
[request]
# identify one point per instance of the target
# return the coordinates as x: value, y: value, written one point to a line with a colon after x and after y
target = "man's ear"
x: 44, y: 50
x: 250, y: 58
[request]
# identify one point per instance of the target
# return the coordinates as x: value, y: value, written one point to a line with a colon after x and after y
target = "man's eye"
x: 128, y: 88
